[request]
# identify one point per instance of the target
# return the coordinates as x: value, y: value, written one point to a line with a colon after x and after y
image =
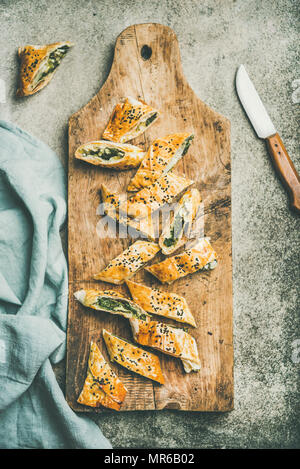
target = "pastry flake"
x: 176, y: 233
x: 169, y: 340
x: 133, y: 358
x: 201, y: 256
x: 111, y: 302
x: 102, y: 387
x: 162, y: 303
x: 161, y: 157
x: 38, y: 65
x: 161, y: 192
x: 117, y: 156
x: 111, y: 203
x: 128, y: 120
x: 124, y: 266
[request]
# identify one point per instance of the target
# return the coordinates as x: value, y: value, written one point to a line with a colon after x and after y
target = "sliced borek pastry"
x: 169, y: 305
x: 161, y: 192
x: 111, y: 302
x: 102, y: 387
x: 161, y: 157
x: 128, y: 120
x: 128, y: 263
x: 111, y: 202
x: 133, y: 358
x: 169, y: 340
x: 110, y: 155
x: 38, y: 65
x: 176, y: 233
x: 200, y: 256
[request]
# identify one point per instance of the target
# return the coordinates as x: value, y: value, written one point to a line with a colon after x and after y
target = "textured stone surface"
x: 215, y: 37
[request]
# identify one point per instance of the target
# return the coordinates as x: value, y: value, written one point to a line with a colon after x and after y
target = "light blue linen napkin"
x: 33, y: 300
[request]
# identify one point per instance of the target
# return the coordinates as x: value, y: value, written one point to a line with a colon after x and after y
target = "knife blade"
x: 265, y: 129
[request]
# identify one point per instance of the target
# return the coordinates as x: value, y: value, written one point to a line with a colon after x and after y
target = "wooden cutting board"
x: 153, y: 74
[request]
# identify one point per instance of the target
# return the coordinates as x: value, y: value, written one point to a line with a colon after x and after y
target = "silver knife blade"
x: 253, y: 105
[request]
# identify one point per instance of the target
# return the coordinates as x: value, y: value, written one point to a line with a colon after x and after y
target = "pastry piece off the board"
x: 133, y: 358
x: 169, y: 340
x: 161, y: 192
x: 38, y: 65
x: 124, y: 266
x: 200, y: 256
x: 161, y: 157
x: 117, y: 156
x: 102, y: 387
x: 111, y: 201
x: 176, y: 233
x: 128, y: 120
x: 162, y: 303
x: 111, y: 302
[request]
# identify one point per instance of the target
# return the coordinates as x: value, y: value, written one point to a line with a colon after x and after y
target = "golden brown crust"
x: 133, y: 358
x: 162, y: 303
x: 93, y: 396
x: 102, y: 387
x: 157, y: 159
x: 161, y: 192
x: 132, y: 157
x: 187, y: 206
x: 167, y: 339
x: 188, y: 262
x: 124, y: 118
x: 111, y: 203
x: 128, y: 263
x: 110, y: 199
x: 30, y: 60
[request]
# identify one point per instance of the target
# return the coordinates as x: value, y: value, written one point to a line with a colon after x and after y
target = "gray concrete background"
x: 215, y: 37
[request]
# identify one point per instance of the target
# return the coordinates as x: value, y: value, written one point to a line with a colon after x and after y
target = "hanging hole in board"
x: 146, y: 52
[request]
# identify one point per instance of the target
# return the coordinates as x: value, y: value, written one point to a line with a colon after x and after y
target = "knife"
x: 265, y: 129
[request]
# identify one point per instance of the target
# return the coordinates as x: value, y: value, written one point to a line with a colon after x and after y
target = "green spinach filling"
x: 175, y: 231
x: 52, y: 63
x: 119, y: 306
x: 105, y: 153
x: 146, y: 123
x: 187, y: 144
x: 151, y: 119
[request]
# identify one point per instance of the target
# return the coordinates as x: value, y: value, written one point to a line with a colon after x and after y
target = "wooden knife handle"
x: 286, y: 170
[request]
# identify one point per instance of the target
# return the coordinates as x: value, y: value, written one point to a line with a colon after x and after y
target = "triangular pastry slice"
x: 128, y: 120
x: 161, y: 157
x: 163, y: 191
x: 38, y: 65
x: 200, y: 256
x: 111, y: 202
x: 170, y: 340
x: 133, y: 358
x: 102, y: 387
x: 124, y: 266
x: 162, y: 303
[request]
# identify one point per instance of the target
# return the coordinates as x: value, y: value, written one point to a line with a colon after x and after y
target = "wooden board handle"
x: 286, y: 170
x: 154, y: 47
